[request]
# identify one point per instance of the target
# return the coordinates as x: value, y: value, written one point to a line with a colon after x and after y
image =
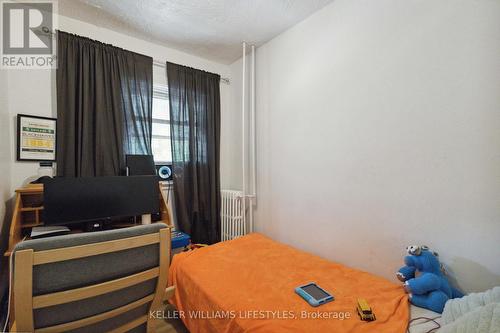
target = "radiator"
x: 233, y: 222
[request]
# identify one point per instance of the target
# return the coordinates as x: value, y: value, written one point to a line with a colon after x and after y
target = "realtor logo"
x: 27, y: 34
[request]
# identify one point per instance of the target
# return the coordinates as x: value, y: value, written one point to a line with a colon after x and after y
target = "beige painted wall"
x: 5, y: 146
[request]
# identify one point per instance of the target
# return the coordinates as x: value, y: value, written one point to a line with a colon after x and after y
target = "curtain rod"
x: 162, y: 64
x: 158, y: 63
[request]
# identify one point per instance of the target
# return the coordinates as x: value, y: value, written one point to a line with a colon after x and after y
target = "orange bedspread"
x: 247, y: 285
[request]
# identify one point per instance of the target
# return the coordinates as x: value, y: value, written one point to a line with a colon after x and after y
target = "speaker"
x: 164, y: 171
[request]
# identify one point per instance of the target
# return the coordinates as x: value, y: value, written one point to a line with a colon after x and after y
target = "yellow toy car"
x: 364, y: 311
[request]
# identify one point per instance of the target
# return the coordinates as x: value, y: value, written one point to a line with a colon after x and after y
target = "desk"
x: 28, y: 208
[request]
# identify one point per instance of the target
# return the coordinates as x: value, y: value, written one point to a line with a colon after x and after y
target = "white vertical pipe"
x: 228, y: 219
x: 228, y: 216
x: 244, y: 225
x: 228, y: 209
x: 252, y: 138
x: 238, y: 226
x: 226, y: 226
x: 231, y: 222
x: 223, y: 215
x: 232, y: 217
x: 252, y: 124
x: 243, y: 135
x: 238, y: 220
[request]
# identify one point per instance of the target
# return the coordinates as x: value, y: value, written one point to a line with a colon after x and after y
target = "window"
x: 161, y: 125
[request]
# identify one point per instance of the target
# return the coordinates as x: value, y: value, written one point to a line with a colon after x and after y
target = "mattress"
x: 247, y: 285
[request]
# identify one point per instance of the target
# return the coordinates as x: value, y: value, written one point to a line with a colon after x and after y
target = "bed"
x: 247, y: 285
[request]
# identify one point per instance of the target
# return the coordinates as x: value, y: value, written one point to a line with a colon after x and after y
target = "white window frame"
x: 161, y: 91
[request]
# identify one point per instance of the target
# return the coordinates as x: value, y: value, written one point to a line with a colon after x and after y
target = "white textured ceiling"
x: 213, y: 29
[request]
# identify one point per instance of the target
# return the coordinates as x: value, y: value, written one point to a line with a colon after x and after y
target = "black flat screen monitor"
x: 85, y: 199
x: 139, y: 165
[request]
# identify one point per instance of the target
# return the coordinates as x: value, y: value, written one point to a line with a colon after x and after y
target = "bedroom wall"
x: 234, y: 148
x: 33, y: 91
x: 5, y: 137
x: 379, y: 127
x: 5, y: 145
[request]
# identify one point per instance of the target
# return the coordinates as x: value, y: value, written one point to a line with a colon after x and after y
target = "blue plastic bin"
x: 179, y: 240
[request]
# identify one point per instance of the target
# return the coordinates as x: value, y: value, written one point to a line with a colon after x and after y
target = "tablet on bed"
x: 313, y: 294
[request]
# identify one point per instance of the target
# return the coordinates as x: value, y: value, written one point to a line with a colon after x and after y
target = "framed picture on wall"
x: 36, y: 138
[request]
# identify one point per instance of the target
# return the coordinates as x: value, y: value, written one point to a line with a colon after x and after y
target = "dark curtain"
x: 195, y: 134
x: 104, y: 106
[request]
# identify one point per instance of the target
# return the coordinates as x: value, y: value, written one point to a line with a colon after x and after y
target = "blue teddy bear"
x: 430, y: 289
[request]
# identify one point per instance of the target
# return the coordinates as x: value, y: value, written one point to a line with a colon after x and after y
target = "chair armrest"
x: 169, y: 292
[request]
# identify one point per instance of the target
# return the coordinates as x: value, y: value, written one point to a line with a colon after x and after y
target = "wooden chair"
x: 105, y: 281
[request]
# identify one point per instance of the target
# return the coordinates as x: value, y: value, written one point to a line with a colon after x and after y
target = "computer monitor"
x: 140, y: 165
x: 87, y: 199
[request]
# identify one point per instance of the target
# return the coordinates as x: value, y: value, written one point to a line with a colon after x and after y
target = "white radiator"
x: 233, y: 222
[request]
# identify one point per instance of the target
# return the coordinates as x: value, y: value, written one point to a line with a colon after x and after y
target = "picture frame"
x: 36, y: 138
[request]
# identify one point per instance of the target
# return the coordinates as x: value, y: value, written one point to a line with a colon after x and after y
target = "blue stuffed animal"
x: 430, y: 289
